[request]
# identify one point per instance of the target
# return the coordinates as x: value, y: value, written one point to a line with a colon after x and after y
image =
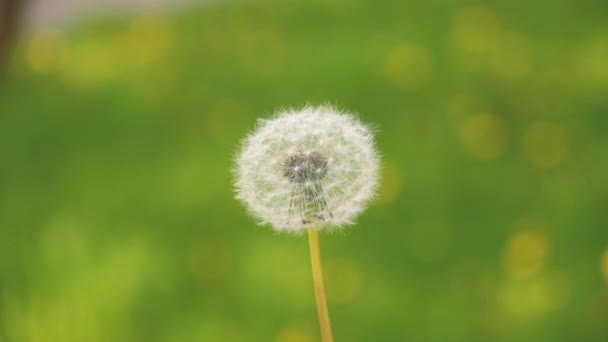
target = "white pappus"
x: 310, y: 168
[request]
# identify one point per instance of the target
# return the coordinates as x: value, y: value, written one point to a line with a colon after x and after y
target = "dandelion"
x: 308, y: 170
x: 314, y: 168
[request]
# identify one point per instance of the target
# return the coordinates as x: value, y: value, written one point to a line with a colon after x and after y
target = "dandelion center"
x: 303, y: 168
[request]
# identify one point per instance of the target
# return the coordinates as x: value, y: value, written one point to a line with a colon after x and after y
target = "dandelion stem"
x: 317, y: 276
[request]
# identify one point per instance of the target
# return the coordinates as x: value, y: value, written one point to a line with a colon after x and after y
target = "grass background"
x: 117, y: 136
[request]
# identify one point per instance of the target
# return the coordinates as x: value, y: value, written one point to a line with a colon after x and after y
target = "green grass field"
x: 117, y: 136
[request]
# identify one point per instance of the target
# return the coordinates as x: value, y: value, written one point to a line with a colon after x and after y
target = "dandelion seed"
x: 329, y: 162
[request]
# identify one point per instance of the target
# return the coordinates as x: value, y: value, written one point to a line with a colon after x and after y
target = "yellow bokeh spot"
x: 296, y: 331
x: 590, y: 65
x: 91, y: 63
x: 605, y: 265
x: 392, y: 183
x: 546, y: 145
x: 475, y: 30
x: 524, y: 300
x: 513, y: 61
x: 408, y: 66
x: 344, y: 280
x: 147, y: 40
x: 47, y: 51
x: 485, y: 136
x: 526, y: 252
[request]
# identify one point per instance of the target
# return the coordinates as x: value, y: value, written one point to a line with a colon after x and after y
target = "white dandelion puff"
x: 312, y: 168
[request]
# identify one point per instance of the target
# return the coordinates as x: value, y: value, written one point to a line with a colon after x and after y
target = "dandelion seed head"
x: 315, y: 167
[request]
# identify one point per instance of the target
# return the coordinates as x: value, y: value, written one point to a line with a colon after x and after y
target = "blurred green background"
x: 117, y: 136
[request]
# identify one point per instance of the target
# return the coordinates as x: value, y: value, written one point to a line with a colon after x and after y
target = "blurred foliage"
x: 118, y: 223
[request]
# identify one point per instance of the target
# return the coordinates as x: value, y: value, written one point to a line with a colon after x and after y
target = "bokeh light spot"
x: 91, y: 63
x: 408, y: 66
x: 526, y: 251
x: 590, y: 65
x: 524, y: 300
x: 546, y: 145
x: 344, y: 280
x: 147, y: 40
x: 485, y: 136
x: 296, y: 331
x: 47, y: 51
